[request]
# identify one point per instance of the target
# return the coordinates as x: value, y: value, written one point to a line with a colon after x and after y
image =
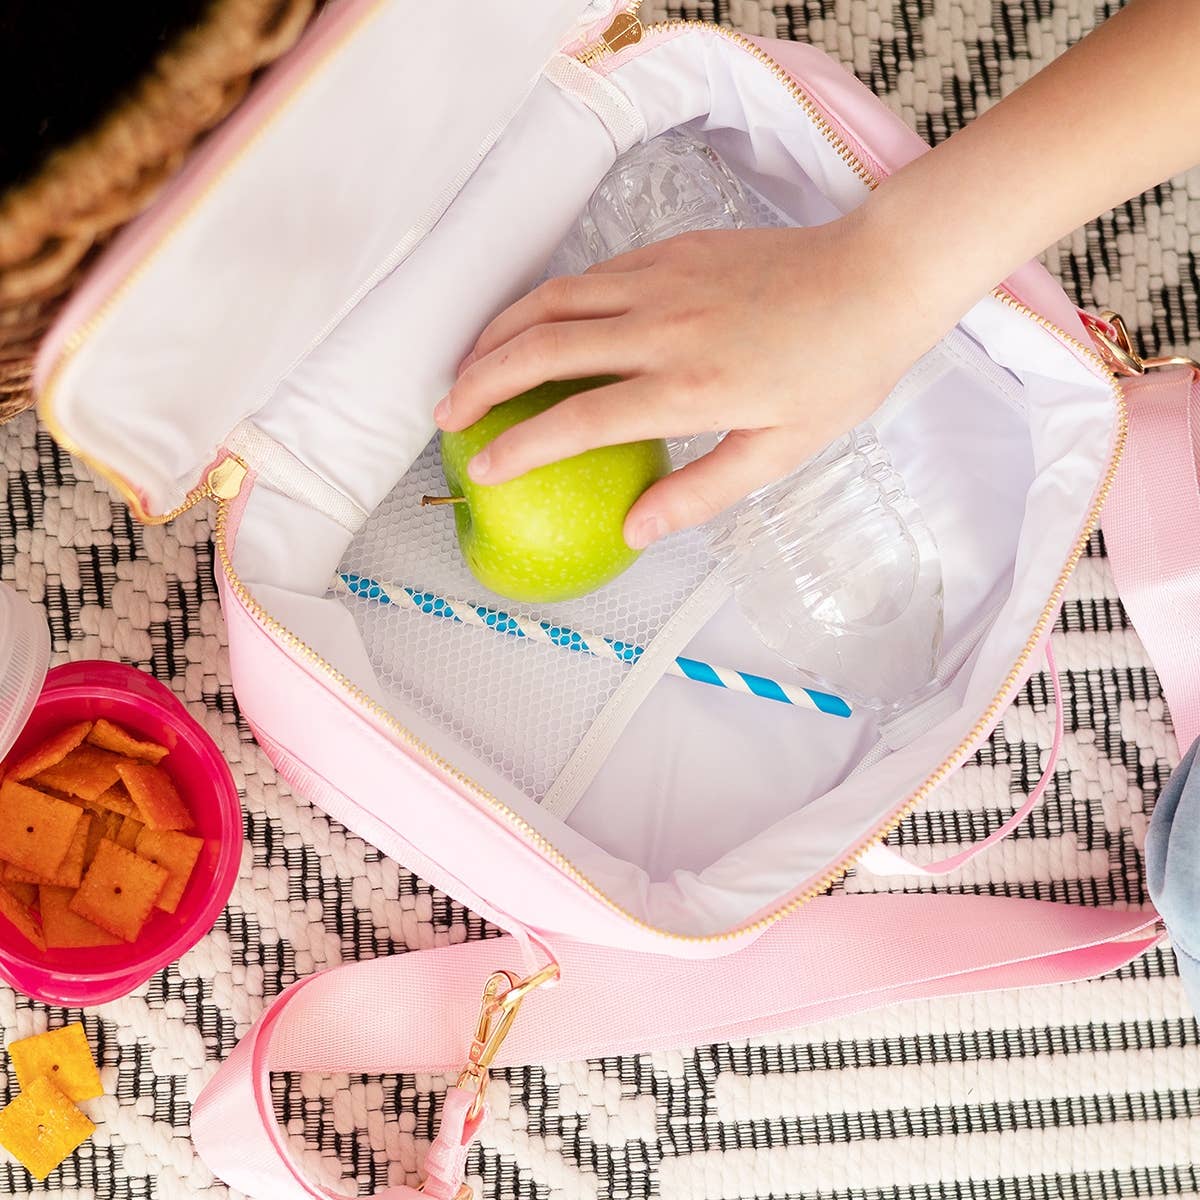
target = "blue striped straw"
x: 600, y: 647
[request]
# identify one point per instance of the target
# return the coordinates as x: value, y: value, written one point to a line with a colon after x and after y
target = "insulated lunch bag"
x: 271, y: 336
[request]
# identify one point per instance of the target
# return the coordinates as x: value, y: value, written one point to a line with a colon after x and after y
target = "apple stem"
x: 428, y: 500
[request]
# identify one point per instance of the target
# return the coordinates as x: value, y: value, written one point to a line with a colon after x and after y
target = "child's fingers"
x: 743, y: 461
x: 561, y: 350
x: 568, y: 298
x: 606, y: 416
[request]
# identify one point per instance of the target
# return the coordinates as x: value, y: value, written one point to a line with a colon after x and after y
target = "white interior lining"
x: 709, y: 808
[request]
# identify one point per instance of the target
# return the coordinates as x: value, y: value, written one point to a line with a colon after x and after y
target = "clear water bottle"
x: 839, y: 574
x: 834, y: 566
x: 671, y: 184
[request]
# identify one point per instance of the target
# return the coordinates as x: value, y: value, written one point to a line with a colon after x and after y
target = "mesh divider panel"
x: 520, y: 706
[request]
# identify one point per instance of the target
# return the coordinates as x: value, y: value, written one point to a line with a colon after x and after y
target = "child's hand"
x: 790, y: 337
x: 782, y: 336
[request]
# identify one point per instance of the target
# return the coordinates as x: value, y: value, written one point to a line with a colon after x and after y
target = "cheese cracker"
x: 119, y: 891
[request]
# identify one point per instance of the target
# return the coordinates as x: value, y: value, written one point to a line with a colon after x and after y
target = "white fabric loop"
x: 624, y: 123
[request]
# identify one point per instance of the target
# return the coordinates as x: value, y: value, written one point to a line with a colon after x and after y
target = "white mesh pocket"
x: 521, y: 707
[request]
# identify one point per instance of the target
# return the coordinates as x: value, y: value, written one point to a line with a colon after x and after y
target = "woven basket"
x: 52, y: 225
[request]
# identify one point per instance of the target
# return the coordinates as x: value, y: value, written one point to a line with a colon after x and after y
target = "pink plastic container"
x: 86, y: 691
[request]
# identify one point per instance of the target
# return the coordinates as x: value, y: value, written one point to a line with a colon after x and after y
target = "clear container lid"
x: 24, y: 661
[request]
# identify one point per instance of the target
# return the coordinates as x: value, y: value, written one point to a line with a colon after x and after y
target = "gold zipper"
x: 625, y: 30
x: 225, y: 480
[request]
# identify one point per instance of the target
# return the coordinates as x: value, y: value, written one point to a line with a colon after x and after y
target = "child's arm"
x: 789, y: 337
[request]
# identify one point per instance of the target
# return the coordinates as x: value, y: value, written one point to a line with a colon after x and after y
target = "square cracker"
x: 119, y: 891
x: 111, y: 824
x: 87, y: 772
x: 98, y: 828
x: 70, y: 870
x: 51, y: 752
x: 178, y: 853
x: 112, y: 737
x: 27, y: 893
x: 14, y: 877
x: 128, y: 834
x: 41, y: 1127
x: 65, y: 930
x: 116, y: 799
x: 22, y: 918
x: 153, y: 792
x: 61, y: 1057
x: 35, y: 829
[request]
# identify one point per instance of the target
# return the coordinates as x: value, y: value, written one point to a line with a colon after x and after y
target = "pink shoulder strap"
x: 421, y: 1011
x: 1152, y: 534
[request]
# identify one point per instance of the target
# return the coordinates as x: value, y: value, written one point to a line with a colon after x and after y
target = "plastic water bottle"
x: 834, y: 567
x: 669, y: 185
x: 839, y: 574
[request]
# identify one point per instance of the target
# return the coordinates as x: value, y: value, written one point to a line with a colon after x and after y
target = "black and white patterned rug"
x: 1084, y: 1091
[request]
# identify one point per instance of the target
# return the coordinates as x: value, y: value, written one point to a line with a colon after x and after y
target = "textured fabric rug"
x: 1083, y: 1091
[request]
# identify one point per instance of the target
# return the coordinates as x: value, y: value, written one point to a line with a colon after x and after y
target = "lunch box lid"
x: 279, y: 196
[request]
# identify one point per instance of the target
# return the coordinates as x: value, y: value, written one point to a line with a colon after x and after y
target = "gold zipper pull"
x: 222, y: 483
x: 225, y: 480
x: 626, y: 30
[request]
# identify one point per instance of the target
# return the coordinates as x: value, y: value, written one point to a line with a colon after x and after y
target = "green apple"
x: 556, y: 532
